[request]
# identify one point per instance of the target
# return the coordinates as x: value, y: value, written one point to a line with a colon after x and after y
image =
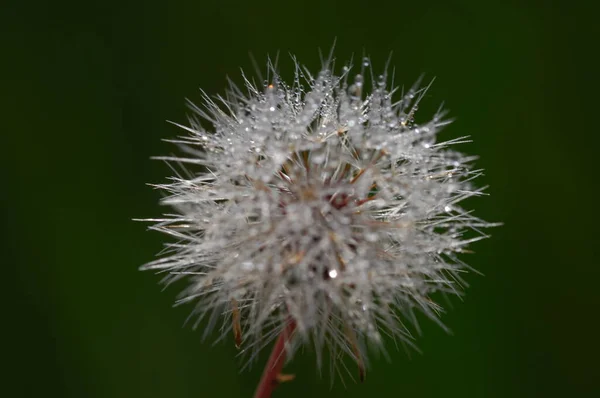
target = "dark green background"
x: 87, y: 87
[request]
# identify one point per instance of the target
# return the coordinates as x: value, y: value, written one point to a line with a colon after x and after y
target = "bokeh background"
x: 87, y: 88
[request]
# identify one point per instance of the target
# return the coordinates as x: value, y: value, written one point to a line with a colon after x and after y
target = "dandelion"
x: 316, y: 213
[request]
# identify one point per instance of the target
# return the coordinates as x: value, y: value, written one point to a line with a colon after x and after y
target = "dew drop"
x: 371, y: 237
x: 317, y: 158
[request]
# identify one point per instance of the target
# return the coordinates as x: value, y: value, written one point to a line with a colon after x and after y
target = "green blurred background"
x: 87, y: 87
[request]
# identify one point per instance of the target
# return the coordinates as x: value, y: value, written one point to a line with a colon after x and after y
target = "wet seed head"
x: 322, y: 202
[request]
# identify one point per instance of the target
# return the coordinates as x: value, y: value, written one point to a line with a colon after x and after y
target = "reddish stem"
x: 272, y: 373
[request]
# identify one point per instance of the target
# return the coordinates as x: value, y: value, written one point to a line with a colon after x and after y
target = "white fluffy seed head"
x: 318, y: 202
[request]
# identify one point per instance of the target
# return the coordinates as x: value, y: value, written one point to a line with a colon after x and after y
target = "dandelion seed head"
x: 318, y: 201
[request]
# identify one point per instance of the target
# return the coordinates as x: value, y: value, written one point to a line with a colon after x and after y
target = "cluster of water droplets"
x: 323, y: 201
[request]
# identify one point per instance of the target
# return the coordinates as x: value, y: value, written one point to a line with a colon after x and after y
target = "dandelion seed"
x: 318, y: 210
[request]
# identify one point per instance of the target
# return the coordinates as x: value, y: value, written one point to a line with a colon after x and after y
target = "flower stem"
x: 272, y: 376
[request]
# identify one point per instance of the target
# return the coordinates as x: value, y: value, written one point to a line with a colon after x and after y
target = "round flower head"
x: 320, y: 204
